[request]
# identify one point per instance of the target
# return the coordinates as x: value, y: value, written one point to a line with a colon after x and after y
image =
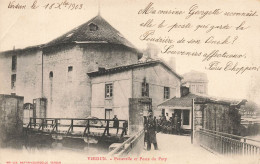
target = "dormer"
x: 93, y: 27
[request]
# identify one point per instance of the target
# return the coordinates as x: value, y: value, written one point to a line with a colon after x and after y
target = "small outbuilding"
x: 210, y: 113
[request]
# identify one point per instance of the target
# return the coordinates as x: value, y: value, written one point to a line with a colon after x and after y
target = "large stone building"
x: 196, y: 81
x: 91, y: 70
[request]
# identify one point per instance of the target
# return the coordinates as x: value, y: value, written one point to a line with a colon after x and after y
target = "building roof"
x: 102, y: 32
x: 30, y: 48
x: 186, y: 101
x: 129, y: 67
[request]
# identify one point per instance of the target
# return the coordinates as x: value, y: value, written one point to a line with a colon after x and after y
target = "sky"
x: 28, y: 27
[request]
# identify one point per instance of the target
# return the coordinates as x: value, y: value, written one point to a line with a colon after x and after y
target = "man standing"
x: 151, y: 131
x: 116, y: 123
x: 178, y: 124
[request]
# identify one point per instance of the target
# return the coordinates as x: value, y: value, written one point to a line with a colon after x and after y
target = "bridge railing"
x: 227, y: 144
x: 69, y: 125
x: 129, y: 145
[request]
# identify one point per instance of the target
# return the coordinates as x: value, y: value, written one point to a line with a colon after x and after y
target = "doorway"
x: 108, y: 114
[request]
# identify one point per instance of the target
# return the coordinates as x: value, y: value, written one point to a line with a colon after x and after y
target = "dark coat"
x: 116, y: 122
x: 151, y: 129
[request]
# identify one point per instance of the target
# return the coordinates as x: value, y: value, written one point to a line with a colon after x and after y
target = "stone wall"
x: 28, y: 73
x: 216, y: 117
x: 11, y: 117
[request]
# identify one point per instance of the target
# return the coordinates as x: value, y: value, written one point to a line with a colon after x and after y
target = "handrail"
x: 128, y: 141
x: 225, y: 143
x: 58, y: 122
x: 231, y: 135
x: 73, y: 119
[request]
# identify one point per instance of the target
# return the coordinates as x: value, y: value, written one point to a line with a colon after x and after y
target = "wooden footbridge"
x: 90, y: 129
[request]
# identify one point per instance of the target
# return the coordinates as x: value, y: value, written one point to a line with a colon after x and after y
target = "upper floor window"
x: 14, y: 62
x: 108, y: 90
x: 166, y: 93
x: 70, y: 69
x: 51, y: 75
x: 201, y: 90
x: 13, y: 81
x: 145, y: 89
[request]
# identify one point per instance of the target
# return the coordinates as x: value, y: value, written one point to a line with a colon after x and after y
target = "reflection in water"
x: 38, y: 143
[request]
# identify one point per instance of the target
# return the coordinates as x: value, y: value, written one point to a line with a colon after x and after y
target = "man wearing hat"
x: 150, y: 128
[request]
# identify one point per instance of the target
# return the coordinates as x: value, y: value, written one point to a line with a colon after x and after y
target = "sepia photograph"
x: 111, y: 81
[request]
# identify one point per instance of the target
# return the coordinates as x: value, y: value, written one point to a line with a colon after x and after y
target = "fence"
x: 227, y: 144
x: 129, y: 145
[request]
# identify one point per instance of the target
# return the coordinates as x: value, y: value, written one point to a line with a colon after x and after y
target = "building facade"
x: 112, y: 88
x: 66, y: 74
x: 196, y: 81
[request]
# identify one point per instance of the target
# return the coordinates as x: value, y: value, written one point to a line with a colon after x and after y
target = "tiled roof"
x: 128, y: 67
x: 104, y: 33
x: 186, y: 101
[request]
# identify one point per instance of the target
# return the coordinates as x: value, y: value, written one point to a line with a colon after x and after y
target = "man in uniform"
x: 151, y: 131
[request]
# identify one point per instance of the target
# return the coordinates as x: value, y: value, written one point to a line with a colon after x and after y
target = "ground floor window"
x: 108, y: 114
x: 163, y: 112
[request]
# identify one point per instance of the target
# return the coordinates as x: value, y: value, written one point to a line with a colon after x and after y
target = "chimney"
x: 184, y: 91
x: 101, y: 69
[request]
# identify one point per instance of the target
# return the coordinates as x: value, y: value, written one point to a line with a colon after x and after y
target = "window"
x: 201, y: 88
x: 13, y: 81
x: 14, y: 62
x: 51, y: 75
x: 193, y: 89
x: 145, y: 89
x: 197, y: 88
x: 108, y: 90
x: 163, y: 112
x: 186, y: 117
x: 166, y: 93
x: 108, y: 113
x: 93, y: 27
x: 70, y: 68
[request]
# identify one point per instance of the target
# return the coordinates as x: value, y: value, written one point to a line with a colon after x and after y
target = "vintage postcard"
x: 111, y: 81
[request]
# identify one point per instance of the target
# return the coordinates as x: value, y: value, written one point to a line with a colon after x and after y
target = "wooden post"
x: 43, y: 123
x: 71, y: 125
x: 192, y: 120
x: 88, y: 127
x: 56, y: 122
x: 108, y: 128
x: 34, y: 121
x: 30, y: 122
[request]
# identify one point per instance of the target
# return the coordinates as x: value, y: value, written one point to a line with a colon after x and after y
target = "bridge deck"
x: 178, y: 149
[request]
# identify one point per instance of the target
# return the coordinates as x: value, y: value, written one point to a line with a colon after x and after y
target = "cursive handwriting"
x: 64, y: 4
x: 231, y: 66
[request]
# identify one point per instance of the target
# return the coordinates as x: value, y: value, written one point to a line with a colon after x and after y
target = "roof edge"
x: 23, y: 49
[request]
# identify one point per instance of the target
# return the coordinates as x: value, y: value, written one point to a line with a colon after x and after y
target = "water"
x: 43, y: 148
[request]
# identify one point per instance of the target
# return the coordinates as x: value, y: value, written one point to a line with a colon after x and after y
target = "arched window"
x: 51, y: 75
